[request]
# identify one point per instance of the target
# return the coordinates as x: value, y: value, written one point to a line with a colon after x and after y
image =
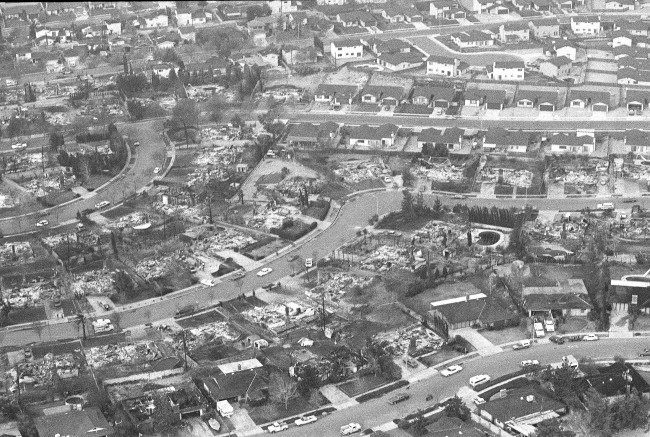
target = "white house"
x: 621, y: 38
x: 349, y: 48
x: 565, y: 49
x: 586, y: 25
x: 163, y: 70
x: 113, y: 27
x: 400, y: 61
x: 155, y: 20
x: 442, y: 65
x: 183, y: 17
x: 507, y: 70
x: 282, y: 6
x: 619, y: 5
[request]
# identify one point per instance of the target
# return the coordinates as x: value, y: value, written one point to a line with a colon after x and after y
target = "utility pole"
x: 184, y: 350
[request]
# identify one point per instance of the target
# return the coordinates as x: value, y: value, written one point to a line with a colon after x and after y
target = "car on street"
x: 265, y: 271
x: 590, y: 337
x: 277, y: 427
x: 350, y: 428
x: 398, y: 398
x: 630, y: 200
x: 102, y: 204
x: 80, y: 226
x: 458, y: 196
x: 451, y: 370
x: 238, y: 275
x: 523, y: 344
x: 156, y: 170
x: 271, y: 286
x: 478, y: 380
x: 42, y: 223
x: 19, y: 146
x: 528, y: 363
x: 304, y: 420
x: 557, y: 340
x: 645, y: 353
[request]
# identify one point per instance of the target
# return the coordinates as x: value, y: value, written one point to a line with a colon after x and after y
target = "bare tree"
x: 282, y: 388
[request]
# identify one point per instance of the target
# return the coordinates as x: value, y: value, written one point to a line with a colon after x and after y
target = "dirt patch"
x: 345, y: 76
x: 439, y: 357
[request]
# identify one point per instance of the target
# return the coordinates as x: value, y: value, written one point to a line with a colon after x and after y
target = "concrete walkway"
x: 483, y: 345
x: 243, y: 423
x: 338, y: 399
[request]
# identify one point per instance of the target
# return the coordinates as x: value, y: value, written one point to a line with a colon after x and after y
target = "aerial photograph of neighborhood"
x: 403, y: 218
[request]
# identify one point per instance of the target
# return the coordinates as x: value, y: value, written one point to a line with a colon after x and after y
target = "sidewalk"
x: 338, y: 399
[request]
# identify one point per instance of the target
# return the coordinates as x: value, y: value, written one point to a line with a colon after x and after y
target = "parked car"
x: 156, y: 170
x: 102, y: 204
x: 523, y: 344
x: 630, y: 200
x: 106, y: 306
x: 350, y: 428
x: 549, y: 325
x: 451, y: 370
x: 590, y: 337
x: 42, y: 223
x: 398, y: 398
x: 478, y: 380
x: 458, y: 196
x: 19, y: 146
x: 265, y: 271
x: 557, y: 340
x: 574, y: 338
x: 277, y: 427
x: 271, y: 286
x: 309, y: 263
x: 304, y: 420
x: 238, y: 275
x: 528, y: 363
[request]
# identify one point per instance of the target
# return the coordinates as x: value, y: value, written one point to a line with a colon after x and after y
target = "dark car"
x: 185, y: 311
x: 271, y: 286
x: 398, y: 398
x: 557, y: 340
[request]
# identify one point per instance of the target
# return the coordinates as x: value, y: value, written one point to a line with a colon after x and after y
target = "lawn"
x: 272, y: 411
x: 439, y: 357
x: 506, y: 335
x: 362, y: 384
x: 26, y: 315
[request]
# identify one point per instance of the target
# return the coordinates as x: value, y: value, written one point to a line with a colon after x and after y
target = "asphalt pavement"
x: 378, y: 411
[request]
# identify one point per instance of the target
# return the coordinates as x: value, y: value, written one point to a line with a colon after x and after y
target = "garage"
x: 599, y: 107
x: 546, y: 107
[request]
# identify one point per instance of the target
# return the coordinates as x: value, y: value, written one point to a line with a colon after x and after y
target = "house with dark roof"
x: 510, y: 141
x: 401, y: 61
x: 546, y: 101
x: 335, y: 94
x: 79, y: 423
x: 366, y: 136
x: 621, y: 38
x: 546, y: 28
x: 521, y: 408
x: 437, y: 97
x: 309, y: 134
x: 597, y: 101
x: 448, y: 426
x: 616, y: 381
x: 572, y: 143
x: 379, y: 47
x: 470, y: 310
x: 472, y: 38
x: 244, y: 386
x: 428, y: 136
x: 627, y: 76
x: 637, y: 141
x: 356, y: 18
x: 382, y: 94
x: 569, y: 298
x: 636, y: 27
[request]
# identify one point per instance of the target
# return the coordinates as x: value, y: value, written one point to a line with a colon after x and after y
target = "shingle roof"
x: 515, y: 404
x: 86, y: 423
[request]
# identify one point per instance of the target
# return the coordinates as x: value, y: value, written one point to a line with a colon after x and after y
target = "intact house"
x: 545, y: 101
x: 445, y: 66
x: 379, y: 47
x: 87, y: 422
x: 311, y: 135
x: 23, y: 10
x: 619, y: 5
x: 490, y: 99
x: 382, y: 95
x: 597, y: 101
x: 451, y: 139
x: 561, y: 48
x: 241, y: 386
x: 471, y: 310
x: 627, y: 76
x: 506, y: 70
x: 546, y: 28
x: 395, y: 13
x: 637, y: 100
x: 637, y: 141
x: 621, y: 38
x: 518, y: 409
x: 586, y: 25
x: 572, y: 143
x: 164, y: 69
x: 509, y: 141
x: 400, y: 61
x: 356, y: 18
x: 514, y: 32
x: 557, y: 67
x: 432, y: 96
x: 568, y: 298
x: 636, y: 28
x: 346, y: 49
x: 335, y: 94
x: 50, y: 60
x: 472, y: 38
x: 617, y: 380
x: 373, y: 137
x: 154, y: 20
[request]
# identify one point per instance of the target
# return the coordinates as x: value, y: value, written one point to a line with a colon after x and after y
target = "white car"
x: 265, y: 271
x: 526, y: 363
x: 590, y: 337
x: 388, y: 180
x: 478, y: 380
x: 42, y: 223
x: 156, y: 170
x: 304, y: 420
x: 458, y: 196
x: 19, y: 146
x: 451, y: 370
x: 350, y: 428
x: 102, y: 204
x: 549, y: 325
x: 277, y: 427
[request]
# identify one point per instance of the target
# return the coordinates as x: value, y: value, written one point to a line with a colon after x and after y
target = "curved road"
x: 150, y: 154
x: 353, y: 216
x: 377, y: 411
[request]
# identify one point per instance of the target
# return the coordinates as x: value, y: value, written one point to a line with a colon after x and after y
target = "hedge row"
x: 381, y: 391
x: 294, y: 230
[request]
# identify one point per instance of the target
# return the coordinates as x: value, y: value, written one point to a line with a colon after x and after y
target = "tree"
x: 407, y: 177
x: 456, y: 408
x: 186, y: 115
x: 564, y: 383
x: 56, y: 140
x: 80, y: 322
x: 282, y: 388
x: 136, y: 108
x: 628, y: 412
x: 551, y: 428
x: 407, y: 205
x: 437, y: 206
x: 124, y: 285
x: 308, y: 380
x: 164, y: 418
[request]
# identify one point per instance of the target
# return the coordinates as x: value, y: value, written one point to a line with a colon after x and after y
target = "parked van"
x: 309, y: 263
